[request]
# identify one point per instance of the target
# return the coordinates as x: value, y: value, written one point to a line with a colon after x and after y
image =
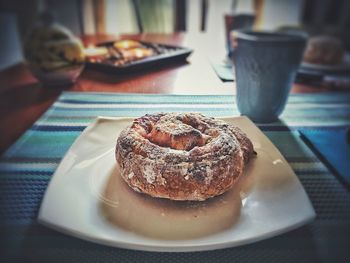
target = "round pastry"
x: 137, y: 53
x: 182, y: 156
x: 324, y: 50
x: 127, y: 44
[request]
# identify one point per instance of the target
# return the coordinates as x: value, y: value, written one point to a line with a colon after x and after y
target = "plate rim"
x: 171, y: 248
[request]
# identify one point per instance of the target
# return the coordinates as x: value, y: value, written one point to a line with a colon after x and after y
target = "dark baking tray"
x: 167, y: 54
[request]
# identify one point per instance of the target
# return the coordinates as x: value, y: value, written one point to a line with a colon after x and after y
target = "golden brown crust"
x: 182, y: 156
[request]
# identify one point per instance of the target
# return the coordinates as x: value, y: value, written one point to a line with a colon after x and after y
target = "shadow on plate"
x: 167, y: 219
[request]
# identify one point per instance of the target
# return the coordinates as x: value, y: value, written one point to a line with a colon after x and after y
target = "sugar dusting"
x: 149, y: 174
x: 222, y: 149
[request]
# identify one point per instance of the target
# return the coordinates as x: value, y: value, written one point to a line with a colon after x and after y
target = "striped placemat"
x: 26, y: 168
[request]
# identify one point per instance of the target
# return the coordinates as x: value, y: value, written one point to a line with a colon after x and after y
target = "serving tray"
x: 163, y: 55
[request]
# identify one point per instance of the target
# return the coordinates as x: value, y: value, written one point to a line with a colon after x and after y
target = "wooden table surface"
x: 23, y: 99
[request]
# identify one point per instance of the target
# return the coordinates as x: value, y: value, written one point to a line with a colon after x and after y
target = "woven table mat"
x: 27, y: 166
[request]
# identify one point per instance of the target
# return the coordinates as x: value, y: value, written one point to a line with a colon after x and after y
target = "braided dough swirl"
x: 182, y: 156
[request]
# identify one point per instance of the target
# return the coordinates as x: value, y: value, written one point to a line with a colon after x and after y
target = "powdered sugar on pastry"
x: 182, y: 156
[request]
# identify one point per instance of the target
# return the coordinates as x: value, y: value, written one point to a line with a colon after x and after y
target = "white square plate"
x: 87, y: 199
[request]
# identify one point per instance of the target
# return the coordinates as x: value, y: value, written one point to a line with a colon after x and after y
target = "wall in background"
x: 67, y: 13
x: 88, y: 18
x: 25, y: 12
x: 10, y: 45
x: 277, y: 13
x: 120, y: 17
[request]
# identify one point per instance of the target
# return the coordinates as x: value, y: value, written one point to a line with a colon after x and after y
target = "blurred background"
x: 90, y: 17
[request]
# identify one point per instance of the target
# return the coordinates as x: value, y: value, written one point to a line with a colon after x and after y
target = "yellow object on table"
x: 127, y: 44
x: 53, y: 54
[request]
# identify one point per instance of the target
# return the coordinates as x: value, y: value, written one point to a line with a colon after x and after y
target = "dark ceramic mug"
x: 265, y: 65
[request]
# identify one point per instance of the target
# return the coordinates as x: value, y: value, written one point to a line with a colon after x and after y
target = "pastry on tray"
x: 127, y: 44
x: 182, y: 156
x: 137, y: 53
